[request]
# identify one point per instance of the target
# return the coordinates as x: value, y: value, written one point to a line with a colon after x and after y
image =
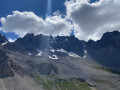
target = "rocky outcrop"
x: 106, y: 51
x: 110, y: 40
x: 2, y: 39
x: 42, y: 68
x: 5, y: 67
x: 68, y: 43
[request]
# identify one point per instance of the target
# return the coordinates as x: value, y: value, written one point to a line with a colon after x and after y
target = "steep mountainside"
x: 59, y: 63
x: 106, y: 51
x: 32, y: 44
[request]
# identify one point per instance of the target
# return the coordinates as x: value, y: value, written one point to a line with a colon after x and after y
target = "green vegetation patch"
x: 107, y: 69
x: 62, y: 84
x: 101, y: 81
x: 98, y: 80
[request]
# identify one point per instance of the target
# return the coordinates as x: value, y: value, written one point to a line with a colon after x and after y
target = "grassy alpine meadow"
x: 49, y: 83
x: 107, y: 70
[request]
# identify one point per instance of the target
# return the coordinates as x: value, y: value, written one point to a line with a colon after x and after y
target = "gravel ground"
x: 66, y: 67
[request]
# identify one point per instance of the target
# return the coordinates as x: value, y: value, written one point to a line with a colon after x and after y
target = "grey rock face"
x: 2, y: 39
x: 5, y: 68
x: 31, y: 44
x: 106, y: 51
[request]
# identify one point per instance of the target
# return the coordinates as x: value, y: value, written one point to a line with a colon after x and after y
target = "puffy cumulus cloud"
x: 91, y: 20
x: 27, y: 22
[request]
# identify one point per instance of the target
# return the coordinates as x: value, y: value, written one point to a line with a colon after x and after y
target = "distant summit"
x: 2, y: 39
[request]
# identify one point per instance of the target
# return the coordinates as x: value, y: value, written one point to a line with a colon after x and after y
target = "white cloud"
x: 91, y: 20
x: 27, y: 22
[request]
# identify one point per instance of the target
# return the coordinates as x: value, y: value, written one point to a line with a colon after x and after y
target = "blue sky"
x: 39, y: 7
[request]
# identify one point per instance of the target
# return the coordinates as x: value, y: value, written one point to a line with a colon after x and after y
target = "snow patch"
x: 69, y: 53
x: 29, y: 54
x: 11, y: 40
x: 85, y: 51
x: 53, y: 57
x: 39, y: 54
x: 61, y: 50
x: 4, y: 43
x: 73, y: 55
x: 84, y: 56
x: 52, y: 50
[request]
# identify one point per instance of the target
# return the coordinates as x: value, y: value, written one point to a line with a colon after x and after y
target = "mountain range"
x: 62, y: 56
x: 106, y: 51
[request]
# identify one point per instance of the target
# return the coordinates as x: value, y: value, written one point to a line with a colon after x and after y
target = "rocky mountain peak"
x: 110, y: 40
x: 2, y: 39
x: 32, y: 44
